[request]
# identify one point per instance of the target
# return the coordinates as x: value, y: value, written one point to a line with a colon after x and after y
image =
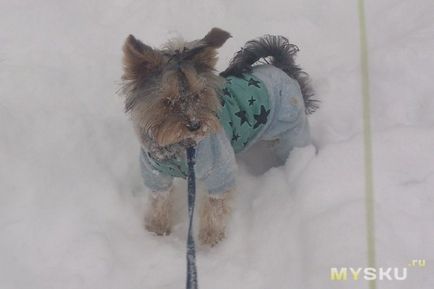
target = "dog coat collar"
x: 175, y: 166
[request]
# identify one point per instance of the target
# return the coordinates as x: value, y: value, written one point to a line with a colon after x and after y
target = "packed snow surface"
x: 71, y: 198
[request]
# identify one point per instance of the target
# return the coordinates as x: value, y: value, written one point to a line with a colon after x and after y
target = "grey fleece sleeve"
x: 153, y: 179
x: 216, y: 165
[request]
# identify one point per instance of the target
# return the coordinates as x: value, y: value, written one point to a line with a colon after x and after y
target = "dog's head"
x: 171, y: 92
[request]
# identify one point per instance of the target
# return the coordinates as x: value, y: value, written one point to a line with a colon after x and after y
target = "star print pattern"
x: 242, y: 116
x: 251, y: 101
x: 254, y: 82
x: 262, y: 117
x: 235, y: 136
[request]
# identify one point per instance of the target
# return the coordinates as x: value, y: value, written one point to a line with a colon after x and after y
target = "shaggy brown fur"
x: 158, y: 215
x: 213, y: 219
x: 171, y: 93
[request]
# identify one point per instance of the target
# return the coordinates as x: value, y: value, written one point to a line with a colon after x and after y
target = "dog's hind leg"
x: 297, y: 136
x: 158, y: 215
x: 213, y: 219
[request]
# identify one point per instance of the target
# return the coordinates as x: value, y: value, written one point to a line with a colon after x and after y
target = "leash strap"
x: 191, y: 252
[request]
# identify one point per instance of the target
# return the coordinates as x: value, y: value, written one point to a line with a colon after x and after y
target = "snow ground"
x: 71, y: 198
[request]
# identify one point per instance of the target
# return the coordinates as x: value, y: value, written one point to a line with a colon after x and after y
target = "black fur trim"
x: 282, y: 56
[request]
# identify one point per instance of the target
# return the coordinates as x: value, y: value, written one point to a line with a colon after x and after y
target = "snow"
x: 71, y: 198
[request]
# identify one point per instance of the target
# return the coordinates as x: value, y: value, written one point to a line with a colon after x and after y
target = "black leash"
x: 191, y: 252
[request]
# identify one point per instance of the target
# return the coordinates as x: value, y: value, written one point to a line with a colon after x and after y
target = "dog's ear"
x: 140, y: 60
x: 205, y: 58
x: 216, y: 37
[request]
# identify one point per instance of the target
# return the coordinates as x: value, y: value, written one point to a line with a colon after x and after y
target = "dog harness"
x: 245, y: 107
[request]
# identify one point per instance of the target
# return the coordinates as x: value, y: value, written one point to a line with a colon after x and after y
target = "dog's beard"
x: 172, y: 145
x: 169, y: 134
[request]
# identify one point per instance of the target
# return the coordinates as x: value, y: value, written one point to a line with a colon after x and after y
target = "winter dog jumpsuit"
x: 264, y: 105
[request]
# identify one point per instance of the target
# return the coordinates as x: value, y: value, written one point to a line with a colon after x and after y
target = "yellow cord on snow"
x: 367, y: 137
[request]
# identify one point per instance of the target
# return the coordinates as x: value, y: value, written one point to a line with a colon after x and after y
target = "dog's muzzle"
x: 194, y: 126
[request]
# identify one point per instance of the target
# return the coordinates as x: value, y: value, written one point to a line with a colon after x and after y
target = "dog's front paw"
x: 213, y: 220
x: 158, y: 226
x: 210, y: 236
x: 157, y: 219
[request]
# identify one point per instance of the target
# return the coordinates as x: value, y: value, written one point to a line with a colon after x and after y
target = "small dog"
x: 175, y: 99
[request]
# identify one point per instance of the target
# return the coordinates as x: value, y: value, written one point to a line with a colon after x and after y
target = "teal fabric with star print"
x: 245, y: 109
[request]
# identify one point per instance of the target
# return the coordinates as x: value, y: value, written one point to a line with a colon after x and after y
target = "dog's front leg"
x: 158, y: 215
x: 213, y: 219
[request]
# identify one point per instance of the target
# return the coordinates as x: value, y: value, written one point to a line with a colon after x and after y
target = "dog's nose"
x: 194, y: 125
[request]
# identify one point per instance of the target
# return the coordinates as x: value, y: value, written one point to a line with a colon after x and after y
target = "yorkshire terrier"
x: 176, y: 99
